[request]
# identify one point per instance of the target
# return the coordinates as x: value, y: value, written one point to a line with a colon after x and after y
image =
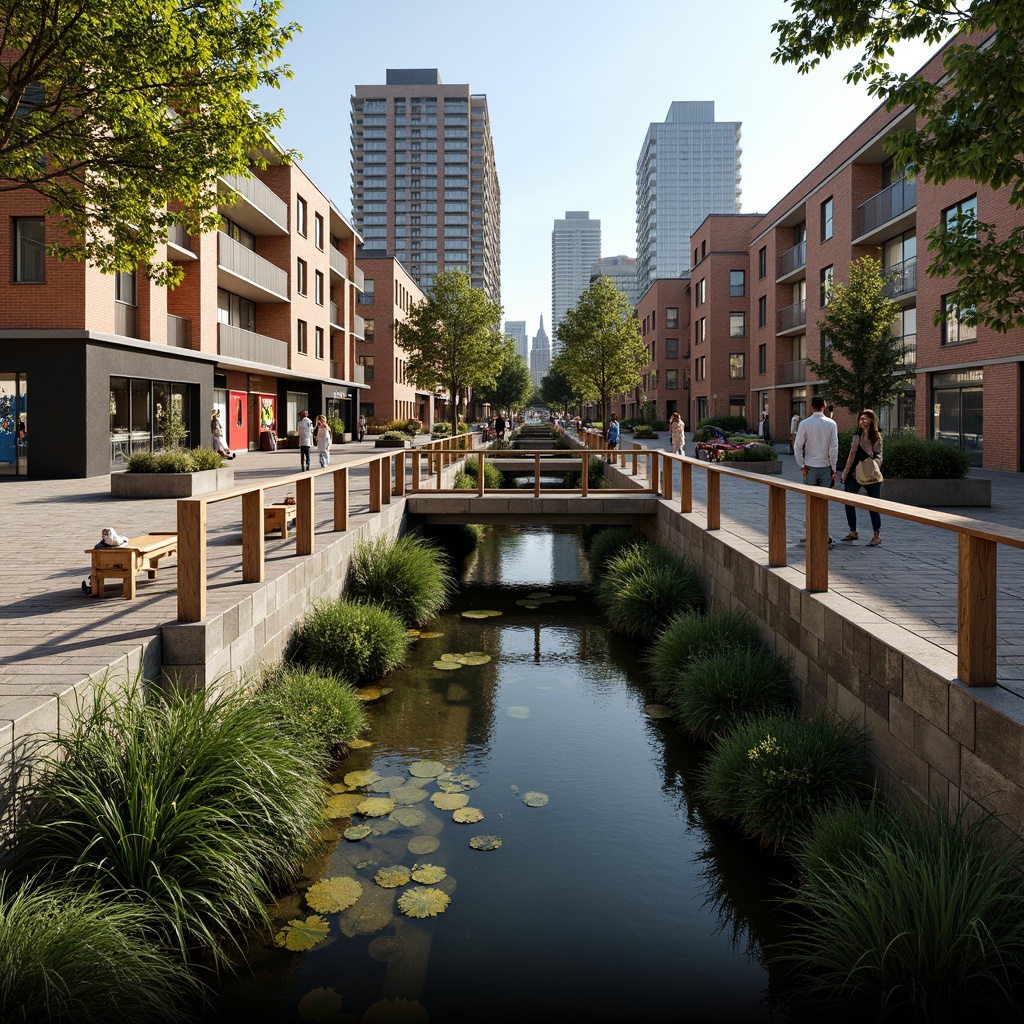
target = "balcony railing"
x: 126, y: 320
x: 792, y: 259
x: 243, y: 262
x: 335, y: 316
x: 358, y: 327
x: 358, y: 279
x: 886, y: 205
x: 177, y: 235
x: 794, y: 372
x: 900, y: 279
x: 792, y: 317
x: 909, y: 342
x: 179, y: 331
x: 253, y: 190
x: 237, y: 343
x: 339, y: 264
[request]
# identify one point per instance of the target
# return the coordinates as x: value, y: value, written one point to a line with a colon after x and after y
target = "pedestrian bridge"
x: 550, y: 509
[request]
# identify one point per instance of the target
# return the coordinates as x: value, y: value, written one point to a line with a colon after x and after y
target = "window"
x: 300, y: 277
x: 826, y: 285
x: 762, y: 311
x: 736, y: 360
x: 672, y: 318
x: 762, y: 262
x: 703, y: 328
x: 671, y: 348
x: 762, y: 358
x: 235, y: 311
x: 124, y: 287
x: 968, y: 210
x: 954, y: 327
x: 737, y: 325
x: 365, y: 298
x: 300, y: 216
x: 827, y: 223
x: 367, y: 363
x: 29, y: 250
x: 701, y: 292
x: 301, y: 338
x: 671, y: 380
x: 368, y: 330
x: 318, y: 288
x: 737, y: 283
x: 319, y: 343
x: 318, y: 231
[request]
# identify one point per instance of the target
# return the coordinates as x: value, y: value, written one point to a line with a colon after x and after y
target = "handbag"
x: 868, y: 472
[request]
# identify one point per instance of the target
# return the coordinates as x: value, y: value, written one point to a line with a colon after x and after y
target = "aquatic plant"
x: 191, y: 807
x: 607, y: 544
x: 770, y: 775
x: 713, y: 693
x: 409, y: 576
x: 493, y: 476
x: 358, y: 642
x: 83, y: 958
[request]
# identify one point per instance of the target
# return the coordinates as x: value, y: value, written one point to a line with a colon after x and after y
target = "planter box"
x: 388, y: 442
x: 938, y: 493
x: 171, y: 485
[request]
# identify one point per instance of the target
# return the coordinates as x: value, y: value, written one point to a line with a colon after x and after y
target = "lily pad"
x: 449, y: 801
x: 395, y: 1011
x: 658, y: 711
x: 393, y: 877
x: 356, y: 832
x: 535, y: 799
x: 447, y: 666
x: 304, y: 933
x: 359, y: 744
x: 387, y: 784
x: 320, y: 1005
x: 537, y: 594
x: 474, y: 659
x: 468, y: 815
x: 485, y: 842
x: 333, y: 895
x: 373, y: 913
x: 480, y: 613
x: 412, y: 632
x: 340, y: 787
x: 408, y: 795
x: 517, y: 711
x: 422, y: 845
x: 430, y: 636
x: 342, y: 805
x: 386, y: 949
x: 530, y: 604
x: 426, y: 769
x: 462, y: 779
x: 368, y: 693
x: 362, y: 778
x: 428, y: 874
x: 376, y: 806
x: 410, y: 817
x: 420, y: 901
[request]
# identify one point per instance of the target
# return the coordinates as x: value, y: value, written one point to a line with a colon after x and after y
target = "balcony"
x: 242, y: 271
x: 236, y: 343
x: 258, y: 209
x: 791, y: 318
x: 887, y: 212
x: 126, y: 320
x: 358, y: 327
x: 358, y: 372
x: 909, y: 343
x: 179, y: 331
x: 336, y: 317
x: 179, y: 245
x: 900, y: 279
x: 339, y: 264
x: 791, y: 261
x: 795, y: 372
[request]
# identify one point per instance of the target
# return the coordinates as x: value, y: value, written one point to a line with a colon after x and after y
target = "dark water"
x: 613, y: 902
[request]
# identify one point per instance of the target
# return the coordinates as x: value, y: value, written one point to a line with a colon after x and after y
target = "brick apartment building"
x: 263, y: 325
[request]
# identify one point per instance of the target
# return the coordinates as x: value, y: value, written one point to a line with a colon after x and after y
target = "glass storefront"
x: 957, y: 411
x: 13, y: 424
x: 142, y: 410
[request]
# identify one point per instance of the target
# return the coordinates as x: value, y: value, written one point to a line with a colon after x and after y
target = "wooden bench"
x: 277, y: 517
x: 140, y: 554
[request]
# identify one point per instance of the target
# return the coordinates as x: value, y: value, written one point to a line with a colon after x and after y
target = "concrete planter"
x: 387, y: 442
x: 171, y: 485
x: 938, y: 493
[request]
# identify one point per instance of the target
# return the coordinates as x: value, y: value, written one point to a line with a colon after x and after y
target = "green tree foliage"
x: 512, y: 385
x: 861, y: 360
x: 602, y: 351
x: 452, y: 339
x: 123, y: 114
x: 969, y: 122
x: 556, y: 389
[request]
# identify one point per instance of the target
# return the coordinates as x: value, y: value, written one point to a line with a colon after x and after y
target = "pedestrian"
x: 612, y: 436
x: 499, y: 426
x: 817, y: 448
x: 794, y: 425
x: 217, y: 430
x: 865, y: 446
x: 766, y: 431
x: 305, y: 426
x: 360, y: 427
x: 677, y: 432
x: 323, y: 441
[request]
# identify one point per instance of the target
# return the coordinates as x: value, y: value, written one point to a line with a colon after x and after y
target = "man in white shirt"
x: 817, y: 448
x: 305, y: 427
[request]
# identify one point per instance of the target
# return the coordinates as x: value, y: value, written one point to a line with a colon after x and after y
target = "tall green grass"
x: 608, y: 544
x: 492, y: 475
x: 409, y: 576
x: 83, y: 959
x: 190, y: 808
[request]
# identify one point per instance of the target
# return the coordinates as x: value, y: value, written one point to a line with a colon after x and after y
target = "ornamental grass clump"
x: 924, y: 923
x: 609, y: 543
x: 191, y: 808
x: 409, y: 576
x: 643, y: 587
x: 82, y: 958
x: 697, y: 634
x: 492, y: 475
x: 716, y: 692
x: 358, y: 642
x: 771, y: 775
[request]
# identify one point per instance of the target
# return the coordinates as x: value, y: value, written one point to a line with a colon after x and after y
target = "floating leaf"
x: 410, y: 817
x: 392, y: 877
x: 368, y: 693
x: 485, y: 842
x: 342, y: 805
x: 359, y: 744
x: 363, y: 778
x: 386, y: 948
x: 373, y: 913
x: 463, y: 780
x: 449, y: 801
x: 535, y: 799
x: 468, y: 815
x: 303, y: 934
x: 530, y: 604
x: 412, y: 632
x: 447, y: 786
x: 426, y: 769
x: 395, y: 1011
x: 428, y: 874
x: 537, y: 594
x: 386, y: 785
x: 517, y: 712
x: 333, y: 895
x: 480, y: 614
x: 422, y: 845
x: 430, y: 636
x: 474, y: 659
x: 449, y: 656
x: 408, y: 795
x: 376, y: 806
x: 447, y: 666
x: 319, y: 1005
x: 423, y: 902
x: 658, y: 711
x: 356, y: 832
x: 340, y: 787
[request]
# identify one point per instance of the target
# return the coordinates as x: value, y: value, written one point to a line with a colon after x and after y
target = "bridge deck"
x: 499, y: 508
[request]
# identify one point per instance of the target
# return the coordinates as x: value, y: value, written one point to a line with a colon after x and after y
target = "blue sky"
x: 571, y: 87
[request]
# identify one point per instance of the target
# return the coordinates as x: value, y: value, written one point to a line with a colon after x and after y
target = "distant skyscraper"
x: 540, y: 356
x: 416, y: 191
x: 517, y: 329
x: 621, y: 270
x: 575, y: 244
x: 689, y: 167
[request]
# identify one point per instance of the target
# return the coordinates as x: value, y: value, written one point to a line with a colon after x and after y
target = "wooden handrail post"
x: 636, y: 449
x: 341, y: 499
x: 536, y: 474
x: 253, y: 538
x: 385, y: 478
x: 976, y: 611
x: 415, y: 472
x: 400, y: 474
x: 653, y: 465
x: 191, y: 560
x: 776, y: 526
x: 480, y: 483
x: 375, y: 485
x: 817, y: 544
x: 439, y: 466
x: 685, y: 487
x: 304, y: 527
x: 585, y: 474
x: 714, y: 500
x: 668, y: 472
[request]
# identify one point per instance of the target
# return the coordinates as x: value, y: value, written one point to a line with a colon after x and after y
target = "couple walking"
x: 322, y: 436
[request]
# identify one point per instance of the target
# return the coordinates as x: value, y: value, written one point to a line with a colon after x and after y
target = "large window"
x: 736, y: 365
x: 368, y: 330
x: 825, y: 282
x: 235, y: 310
x: 954, y: 328
x: 762, y: 358
x: 301, y: 274
x: 827, y: 223
x: 671, y: 380
x: 762, y: 262
x: 301, y: 225
x: 302, y: 337
x: 671, y: 348
x: 737, y: 325
x: 318, y: 287
x: 968, y: 211
x: 319, y: 342
x: 672, y: 318
x: 367, y: 363
x: 762, y: 311
x: 29, y: 250
x: 701, y: 292
x: 365, y: 297
x: 737, y: 283
x: 318, y: 231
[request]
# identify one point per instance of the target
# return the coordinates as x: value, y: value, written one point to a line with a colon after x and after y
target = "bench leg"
x: 129, y: 585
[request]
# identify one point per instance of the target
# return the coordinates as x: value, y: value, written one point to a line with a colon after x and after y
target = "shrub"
x: 359, y: 642
x: 173, y: 460
x: 644, y: 430
x: 924, y: 924
x: 68, y: 956
x: 947, y: 461
x: 755, y: 453
x: 457, y: 540
x: 642, y: 588
x: 771, y: 775
x: 609, y: 543
x: 140, y: 462
x: 492, y: 475
x: 463, y: 428
x: 695, y: 634
x: 464, y: 482
x: 191, y: 808
x: 407, y: 576
x: 441, y: 430
x: 337, y: 429
x: 410, y: 427
x: 713, y: 693
x: 595, y: 475
x: 905, y: 456
x: 394, y: 435
x: 318, y: 711
x: 206, y: 458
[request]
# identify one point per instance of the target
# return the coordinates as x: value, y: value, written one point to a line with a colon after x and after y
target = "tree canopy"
x: 452, y: 339
x: 602, y: 352
x: 970, y: 121
x: 512, y: 385
x: 556, y: 389
x: 861, y: 361
x: 123, y: 114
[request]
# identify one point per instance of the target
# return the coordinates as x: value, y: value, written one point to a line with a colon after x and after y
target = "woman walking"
x: 677, y: 432
x: 323, y: 441
x: 866, y: 444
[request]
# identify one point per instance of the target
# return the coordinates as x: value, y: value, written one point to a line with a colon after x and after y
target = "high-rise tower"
x: 540, y: 355
x: 575, y: 245
x: 517, y: 329
x: 424, y: 184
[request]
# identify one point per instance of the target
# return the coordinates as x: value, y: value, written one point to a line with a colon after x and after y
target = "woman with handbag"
x: 863, y: 470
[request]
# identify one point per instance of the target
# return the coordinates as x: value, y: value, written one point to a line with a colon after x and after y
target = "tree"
x: 861, y: 360
x: 512, y: 385
x: 123, y: 114
x: 969, y: 122
x: 556, y: 389
x: 601, y: 348
x: 452, y: 339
